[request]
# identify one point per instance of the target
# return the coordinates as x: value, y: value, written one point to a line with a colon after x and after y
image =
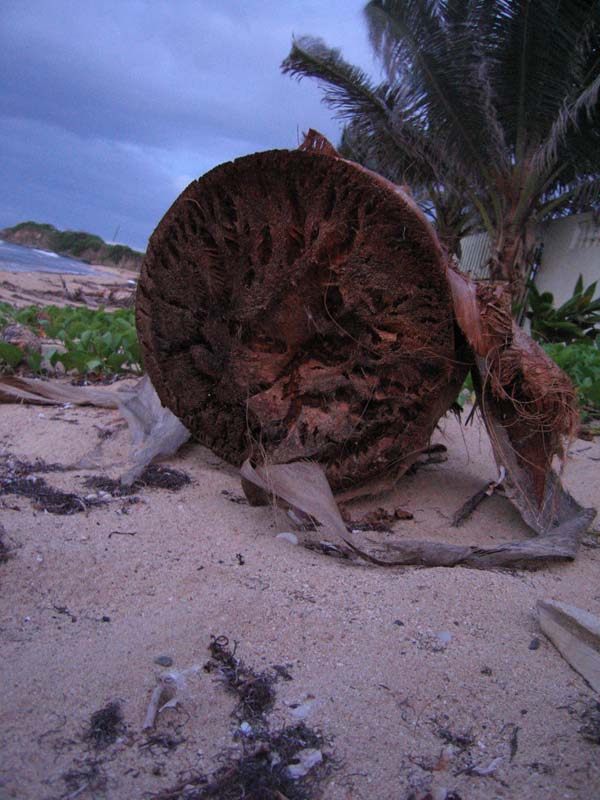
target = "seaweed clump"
x: 154, y: 477
x: 106, y: 725
x: 287, y: 764
x: 254, y: 690
x: 45, y: 497
x: 590, y: 729
x: 265, y: 771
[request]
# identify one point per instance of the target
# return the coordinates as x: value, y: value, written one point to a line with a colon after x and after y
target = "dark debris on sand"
x: 4, y: 549
x: 10, y: 465
x: 106, y: 725
x: 153, y: 477
x: 17, y: 477
x: 261, y: 773
x: 590, y: 718
x: 45, y: 497
x: 265, y: 768
x: 87, y: 777
x: 254, y: 690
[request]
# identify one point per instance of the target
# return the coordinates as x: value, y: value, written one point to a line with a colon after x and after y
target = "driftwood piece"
x: 291, y: 306
x: 304, y: 487
x: 14, y: 389
x: 576, y: 635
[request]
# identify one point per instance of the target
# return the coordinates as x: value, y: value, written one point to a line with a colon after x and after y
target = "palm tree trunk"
x: 513, y: 255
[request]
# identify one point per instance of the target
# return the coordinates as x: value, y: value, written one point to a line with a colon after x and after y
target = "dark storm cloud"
x: 110, y: 108
x: 93, y: 185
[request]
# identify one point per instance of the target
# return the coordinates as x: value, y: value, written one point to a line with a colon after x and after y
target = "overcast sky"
x: 111, y: 107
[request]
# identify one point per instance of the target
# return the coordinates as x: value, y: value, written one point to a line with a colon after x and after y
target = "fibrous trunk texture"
x: 293, y: 306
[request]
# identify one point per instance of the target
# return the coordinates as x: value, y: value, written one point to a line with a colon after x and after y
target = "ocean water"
x: 15, y: 258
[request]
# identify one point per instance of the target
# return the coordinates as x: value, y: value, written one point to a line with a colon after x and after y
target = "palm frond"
x: 490, y: 107
x: 538, y: 56
x: 581, y: 195
x: 384, y: 117
x: 347, y: 88
x: 568, y: 122
x: 441, y: 57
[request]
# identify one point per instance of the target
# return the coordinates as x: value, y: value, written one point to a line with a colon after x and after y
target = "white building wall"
x: 571, y: 248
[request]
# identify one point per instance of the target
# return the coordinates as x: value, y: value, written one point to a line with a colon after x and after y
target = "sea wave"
x: 16, y: 258
x: 46, y: 253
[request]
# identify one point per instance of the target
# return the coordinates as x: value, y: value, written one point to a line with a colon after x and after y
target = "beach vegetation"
x: 87, y: 342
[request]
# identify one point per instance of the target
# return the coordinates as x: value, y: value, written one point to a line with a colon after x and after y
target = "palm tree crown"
x: 490, y: 106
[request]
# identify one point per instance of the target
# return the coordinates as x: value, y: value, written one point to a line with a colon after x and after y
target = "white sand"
x: 363, y: 643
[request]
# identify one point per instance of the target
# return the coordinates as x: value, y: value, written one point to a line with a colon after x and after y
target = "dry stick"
x: 66, y: 288
x: 465, y: 511
x: 468, y: 507
x: 152, y: 711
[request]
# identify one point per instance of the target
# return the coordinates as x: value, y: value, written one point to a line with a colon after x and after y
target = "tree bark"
x: 513, y: 255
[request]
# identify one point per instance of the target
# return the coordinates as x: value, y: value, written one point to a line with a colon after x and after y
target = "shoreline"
x: 55, y: 288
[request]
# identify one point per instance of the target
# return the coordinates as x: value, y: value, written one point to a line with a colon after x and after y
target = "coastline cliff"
x: 73, y: 244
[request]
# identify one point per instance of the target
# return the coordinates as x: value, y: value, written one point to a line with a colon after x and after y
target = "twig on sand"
x: 467, y: 508
x: 152, y: 711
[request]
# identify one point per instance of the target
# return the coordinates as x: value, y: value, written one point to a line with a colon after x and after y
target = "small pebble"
x: 307, y: 759
x: 444, y: 637
x: 399, y: 623
x: 534, y: 644
x: 164, y: 661
x: 288, y: 536
x: 303, y: 710
x: 246, y: 728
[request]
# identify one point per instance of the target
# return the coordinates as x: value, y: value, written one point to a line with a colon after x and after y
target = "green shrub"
x: 75, y: 242
x: 581, y: 362
x: 117, y: 252
x: 575, y: 320
x: 95, y: 341
x: 40, y: 226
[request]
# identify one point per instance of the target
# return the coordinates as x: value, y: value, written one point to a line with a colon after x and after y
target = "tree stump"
x: 295, y: 306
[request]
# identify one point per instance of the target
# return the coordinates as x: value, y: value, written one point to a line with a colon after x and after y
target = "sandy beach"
x: 417, y: 683
x: 45, y: 288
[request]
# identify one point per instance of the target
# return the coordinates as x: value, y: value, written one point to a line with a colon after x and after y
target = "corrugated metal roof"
x: 475, y: 255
